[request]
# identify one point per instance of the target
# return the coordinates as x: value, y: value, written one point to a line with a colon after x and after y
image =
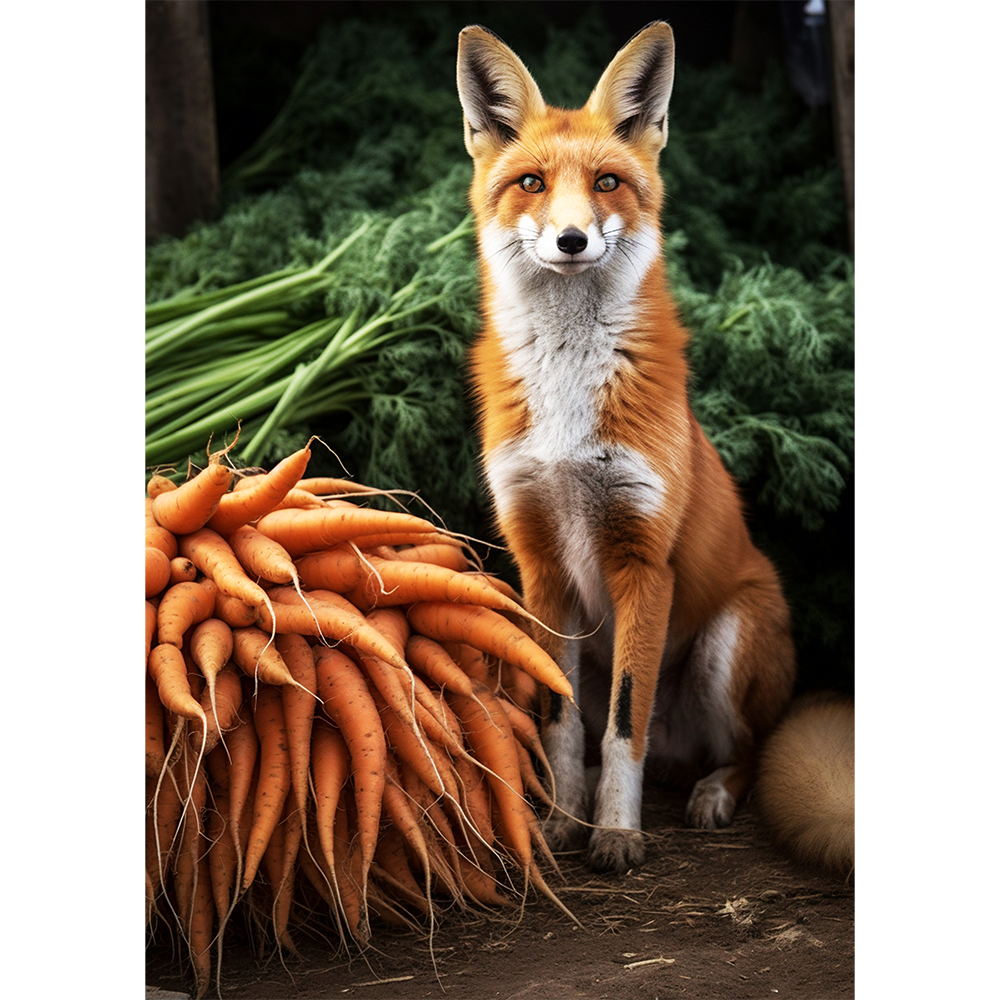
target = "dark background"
x: 219, y: 70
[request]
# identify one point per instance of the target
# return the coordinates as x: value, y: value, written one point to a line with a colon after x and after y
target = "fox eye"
x: 531, y: 184
x: 607, y: 182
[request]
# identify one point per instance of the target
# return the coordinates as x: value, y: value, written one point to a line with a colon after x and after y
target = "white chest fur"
x: 561, y: 334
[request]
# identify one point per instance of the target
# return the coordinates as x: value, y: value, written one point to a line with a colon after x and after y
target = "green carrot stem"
x: 302, y: 378
x: 226, y: 383
x: 295, y: 285
x: 189, y: 300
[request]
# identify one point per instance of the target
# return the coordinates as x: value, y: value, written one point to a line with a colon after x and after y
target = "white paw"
x: 711, y: 805
x: 616, y: 850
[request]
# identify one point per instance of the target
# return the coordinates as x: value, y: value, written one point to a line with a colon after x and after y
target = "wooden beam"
x: 182, y: 160
x: 841, y: 19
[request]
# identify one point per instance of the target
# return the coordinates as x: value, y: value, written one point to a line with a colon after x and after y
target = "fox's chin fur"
x: 804, y: 791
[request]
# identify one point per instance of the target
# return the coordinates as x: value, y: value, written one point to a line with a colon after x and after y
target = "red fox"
x: 623, y: 522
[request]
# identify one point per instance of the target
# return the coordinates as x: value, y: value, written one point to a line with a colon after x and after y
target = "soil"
x: 710, y: 914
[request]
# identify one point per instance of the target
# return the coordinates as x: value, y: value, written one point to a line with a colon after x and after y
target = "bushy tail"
x: 805, y: 782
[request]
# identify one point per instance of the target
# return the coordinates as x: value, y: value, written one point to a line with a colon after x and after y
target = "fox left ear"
x: 634, y: 91
x: 496, y: 90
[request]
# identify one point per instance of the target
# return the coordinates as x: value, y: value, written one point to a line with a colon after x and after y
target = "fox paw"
x: 710, y: 806
x: 563, y: 833
x: 616, y: 850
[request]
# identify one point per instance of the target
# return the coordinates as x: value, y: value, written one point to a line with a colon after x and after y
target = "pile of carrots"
x: 338, y: 714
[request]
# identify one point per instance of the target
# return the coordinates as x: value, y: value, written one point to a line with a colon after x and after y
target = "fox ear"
x: 634, y: 91
x: 496, y: 90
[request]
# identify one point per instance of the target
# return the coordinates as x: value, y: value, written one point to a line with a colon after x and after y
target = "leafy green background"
x: 367, y: 123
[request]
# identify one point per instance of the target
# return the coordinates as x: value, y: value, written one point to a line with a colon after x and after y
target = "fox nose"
x: 571, y: 240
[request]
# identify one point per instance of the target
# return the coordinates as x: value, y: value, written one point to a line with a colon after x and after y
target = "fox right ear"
x: 496, y: 90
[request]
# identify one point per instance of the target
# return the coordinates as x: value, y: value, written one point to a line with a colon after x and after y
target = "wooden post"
x: 182, y: 160
x: 841, y: 19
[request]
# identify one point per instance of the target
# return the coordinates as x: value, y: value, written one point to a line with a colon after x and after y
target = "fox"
x: 627, y: 531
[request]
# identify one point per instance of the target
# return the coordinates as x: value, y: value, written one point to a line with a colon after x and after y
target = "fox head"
x: 566, y: 190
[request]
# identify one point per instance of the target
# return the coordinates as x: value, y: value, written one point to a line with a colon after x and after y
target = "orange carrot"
x: 405, y: 582
x: 392, y: 623
x: 348, y: 702
x: 157, y: 571
x: 492, y: 742
x: 479, y: 885
x: 328, y: 617
x: 279, y: 859
x: 201, y: 925
x: 299, y: 705
x: 393, y: 684
x: 168, y: 670
x: 257, y: 657
x: 475, y: 663
x: 349, y: 889
x: 526, y: 733
x: 150, y: 627
x: 491, y: 633
x: 432, y: 660
x: 391, y: 858
x: 160, y: 538
x: 274, y: 780
x: 501, y: 585
x: 165, y: 812
x: 372, y: 541
x: 192, y: 785
x: 409, y: 698
x: 272, y: 864
x: 246, y: 505
x: 155, y: 746
x: 211, y: 646
x: 183, y: 605
x: 217, y: 767
x: 437, y: 707
x: 247, y: 481
x: 409, y: 745
x: 338, y: 568
x: 399, y: 812
x: 302, y: 531
x: 327, y: 484
x: 522, y: 724
x: 529, y: 777
x: 222, y: 855
x: 159, y: 484
x: 519, y: 687
x: 182, y: 570
x: 221, y: 703
x: 438, y: 554
x: 234, y: 612
x: 211, y: 553
x: 476, y: 799
x: 189, y: 507
x: 298, y: 499
x: 261, y: 556
x: 330, y: 766
x: 430, y: 811
x: 244, y: 748
x: 320, y: 880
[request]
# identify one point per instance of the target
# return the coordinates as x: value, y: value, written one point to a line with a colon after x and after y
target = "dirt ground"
x: 711, y: 914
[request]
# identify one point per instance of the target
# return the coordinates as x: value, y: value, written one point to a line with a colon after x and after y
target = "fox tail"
x: 804, y: 791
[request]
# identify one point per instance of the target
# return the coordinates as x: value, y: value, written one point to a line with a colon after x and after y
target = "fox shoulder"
x: 804, y: 791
